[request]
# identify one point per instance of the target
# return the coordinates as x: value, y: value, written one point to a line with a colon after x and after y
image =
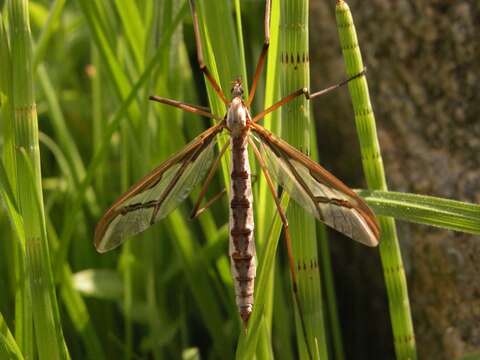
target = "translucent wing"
x: 316, y: 190
x: 158, y: 193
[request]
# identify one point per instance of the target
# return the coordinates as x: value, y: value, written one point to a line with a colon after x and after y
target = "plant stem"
x: 296, y: 125
x: 395, y: 279
x: 46, y: 319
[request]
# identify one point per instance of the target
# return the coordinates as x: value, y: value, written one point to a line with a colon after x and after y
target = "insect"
x: 309, y: 184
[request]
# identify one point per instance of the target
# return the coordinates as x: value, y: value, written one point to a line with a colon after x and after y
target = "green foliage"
x: 168, y: 291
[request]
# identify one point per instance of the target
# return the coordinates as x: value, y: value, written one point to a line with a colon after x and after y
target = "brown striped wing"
x: 316, y: 190
x: 158, y: 193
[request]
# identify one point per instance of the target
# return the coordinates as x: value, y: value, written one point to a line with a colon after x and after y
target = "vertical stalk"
x: 294, y: 57
x: 98, y: 124
x: 395, y: 279
x: 23, y: 318
x: 48, y: 331
x: 264, y: 199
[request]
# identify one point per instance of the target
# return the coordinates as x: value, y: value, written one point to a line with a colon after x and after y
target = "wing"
x: 158, y: 193
x: 316, y: 190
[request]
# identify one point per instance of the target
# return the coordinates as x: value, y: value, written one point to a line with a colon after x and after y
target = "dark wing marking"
x: 318, y: 191
x: 158, y: 193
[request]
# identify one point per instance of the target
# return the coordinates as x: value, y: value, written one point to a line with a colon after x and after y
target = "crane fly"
x: 309, y: 184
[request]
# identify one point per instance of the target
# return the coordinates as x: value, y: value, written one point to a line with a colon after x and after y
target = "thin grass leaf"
x: 23, y: 317
x: 199, y: 284
x: 113, y: 125
x: 8, y: 347
x: 98, y: 122
x: 395, y: 279
x: 75, y: 305
x: 133, y: 28
x: 221, y: 57
x: 263, y: 200
x: 241, y: 45
x: 6, y: 91
x: 12, y: 208
x: 428, y: 210
x: 47, y: 31
x: 59, y: 157
x: 64, y: 136
x: 121, y: 82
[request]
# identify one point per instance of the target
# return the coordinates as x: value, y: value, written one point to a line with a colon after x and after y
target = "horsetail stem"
x: 296, y: 125
x: 395, y: 279
x: 44, y: 307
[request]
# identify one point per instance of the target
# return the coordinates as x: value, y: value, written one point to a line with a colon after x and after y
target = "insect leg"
x: 336, y: 86
x: 288, y: 241
x: 213, y: 168
x: 196, y: 109
x: 306, y: 93
x: 263, y: 54
x: 201, y: 62
x: 196, y: 212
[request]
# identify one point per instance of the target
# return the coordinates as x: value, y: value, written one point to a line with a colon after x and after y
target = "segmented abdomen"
x: 242, y: 244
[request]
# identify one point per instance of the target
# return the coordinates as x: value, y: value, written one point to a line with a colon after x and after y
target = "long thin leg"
x: 196, y: 109
x: 263, y: 54
x: 213, y: 199
x: 306, y: 93
x: 196, y: 209
x: 288, y: 240
x: 201, y: 62
x: 197, y: 212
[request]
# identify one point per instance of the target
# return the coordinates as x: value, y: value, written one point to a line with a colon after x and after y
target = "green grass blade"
x: 295, y: 129
x: 8, y: 347
x: 6, y: 91
x: 64, y: 136
x: 133, y: 28
x: 241, y: 45
x: 112, y: 127
x: 47, y: 31
x: 112, y: 65
x: 221, y: 52
x: 428, y: 210
x: 195, y: 271
x: 264, y: 202
x: 395, y: 278
x: 8, y: 197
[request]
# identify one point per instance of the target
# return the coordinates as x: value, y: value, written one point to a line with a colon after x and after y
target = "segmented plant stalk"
x: 50, y: 342
x: 294, y: 58
x: 395, y: 278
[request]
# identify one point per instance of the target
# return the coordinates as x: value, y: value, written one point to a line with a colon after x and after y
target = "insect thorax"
x: 237, y: 116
